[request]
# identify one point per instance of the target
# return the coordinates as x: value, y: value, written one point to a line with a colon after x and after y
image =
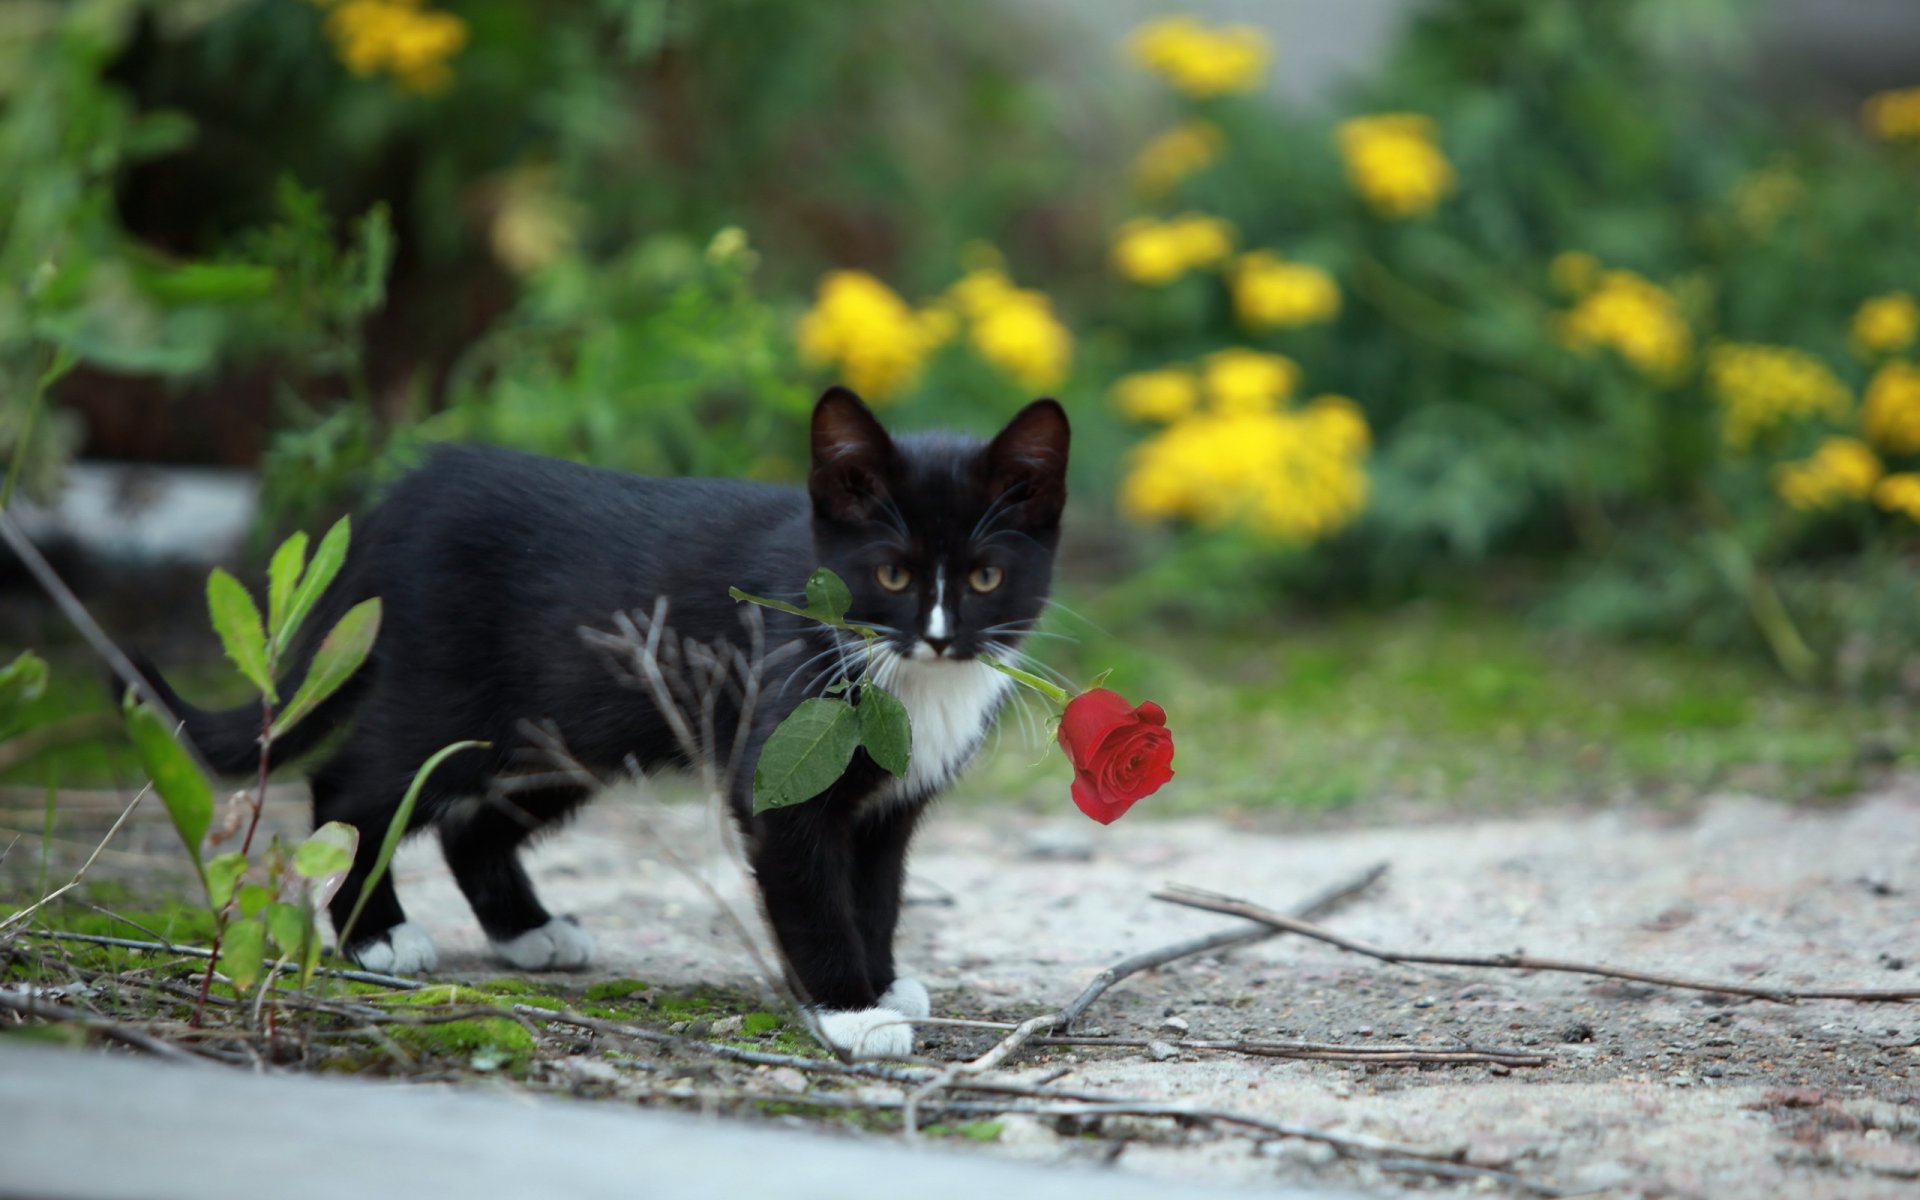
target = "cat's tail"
x: 228, y: 740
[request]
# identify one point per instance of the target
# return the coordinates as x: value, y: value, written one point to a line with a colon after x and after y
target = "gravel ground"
x: 1649, y: 1091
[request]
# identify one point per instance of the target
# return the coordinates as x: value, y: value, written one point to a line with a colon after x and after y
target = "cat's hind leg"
x: 382, y: 939
x: 481, y: 840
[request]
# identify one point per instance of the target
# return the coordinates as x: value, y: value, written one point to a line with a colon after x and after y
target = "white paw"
x: 559, y: 944
x: 908, y: 996
x: 864, y: 1032
x: 405, y: 950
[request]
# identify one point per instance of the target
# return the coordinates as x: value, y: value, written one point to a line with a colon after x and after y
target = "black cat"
x: 490, y: 564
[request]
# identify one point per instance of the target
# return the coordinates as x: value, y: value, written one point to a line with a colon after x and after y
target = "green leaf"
x: 828, y: 597
x: 22, y: 682
x: 328, y: 850
x: 252, y: 899
x: 320, y: 572
x: 397, y: 830
x: 283, y: 576
x: 237, y: 620
x: 886, y: 730
x: 345, y: 647
x: 243, y: 947
x: 805, y: 754
x: 290, y: 925
x: 182, y: 787
x: 223, y: 875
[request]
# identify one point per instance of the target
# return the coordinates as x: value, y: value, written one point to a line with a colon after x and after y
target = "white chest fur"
x: 951, y: 704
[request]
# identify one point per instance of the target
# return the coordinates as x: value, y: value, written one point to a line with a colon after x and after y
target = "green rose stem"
x: 1051, y: 691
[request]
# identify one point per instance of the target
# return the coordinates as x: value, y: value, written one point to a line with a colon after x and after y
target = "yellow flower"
x: 1759, y: 387
x: 1574, y: 272
x: 876, y: 339
x: 1162, y: 396
x: 1013, y: 328
x: 1199, y: 61
x: 1634, y: 317
x: 1270, y: 293
x: 1293, y: 476
x: 1159, y: 252
x: 1899, y: 493
x: 1761, y: 199
x: 1885, y: 324
x: 1841, y: 470
x: 1893, y: 116
x: 1239, y: 380
x: 1176, y: 154
x: 401, y: 37
x: 1891, y: 412
x: 1395, y: 162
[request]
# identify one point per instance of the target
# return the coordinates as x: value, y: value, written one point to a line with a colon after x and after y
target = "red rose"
x: 1119, y: 753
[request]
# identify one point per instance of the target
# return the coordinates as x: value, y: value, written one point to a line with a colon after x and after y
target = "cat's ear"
x: 852, y: 457
x: 1028, y: 462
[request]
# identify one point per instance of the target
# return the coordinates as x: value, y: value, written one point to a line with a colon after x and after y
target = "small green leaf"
x: 283, y: 576
x: 828, y: 597
x: 328, y: 850
x: 319, y: 573
x: 22, y: 682
x: 396, y: 831
x: 806, y: 753
x: 1098, y: 681
x: 291, y: 925
x: 252, y: 899
x: 345, y: 647
x: 886, y: 730
x: 237, y: 620
x: 182, y: 787
x: 223, y: 875
x: 243, y: 947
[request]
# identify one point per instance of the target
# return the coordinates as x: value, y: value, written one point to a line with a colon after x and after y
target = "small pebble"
x: 725, y: 1027
x: 1177, y: 1026
x: 1160, y: 1051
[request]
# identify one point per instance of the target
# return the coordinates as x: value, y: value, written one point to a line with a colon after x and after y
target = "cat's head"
x: 946, y: 542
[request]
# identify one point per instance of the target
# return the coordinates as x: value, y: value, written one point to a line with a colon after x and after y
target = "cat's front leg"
x: 804, y: 863
x: 880, y: 868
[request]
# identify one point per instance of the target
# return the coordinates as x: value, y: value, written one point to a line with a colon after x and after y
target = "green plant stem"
x: 63, y: 360
x: 864, y: 631
x: 1051, y: 691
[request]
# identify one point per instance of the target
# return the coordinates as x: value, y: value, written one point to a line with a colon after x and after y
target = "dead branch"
x: 1200, y: 898
x: 29, y: 1005
x: 26, y: 913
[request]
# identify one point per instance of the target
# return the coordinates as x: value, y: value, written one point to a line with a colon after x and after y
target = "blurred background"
x: 1477, y: 402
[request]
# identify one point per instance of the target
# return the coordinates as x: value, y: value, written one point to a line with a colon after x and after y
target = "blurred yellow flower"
x: 1574, y: 272
x: 1159, y: 252
x: 1238, y: 380
x: 1160, y: 396
x: 1890, y: 414
x: 1013, y: 328
x: 1841, y: 470
x: 1759, y: 387
x: 1899, y: 493
x: 1761, y: 199
x: 877, y: 340
x: 1176, y: 154
x: 1395, y: 162
x: 1893, y: 116
x: 1290, y: 475
x: 1634, y: 317
x: 1885, y: 324
x: 1200, y: 61
x: 404, y: 38
x: 1271, y: 293
x: 533, y: 224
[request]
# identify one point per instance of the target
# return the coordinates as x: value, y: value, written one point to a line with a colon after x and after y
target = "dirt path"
x: 1650, y: 1092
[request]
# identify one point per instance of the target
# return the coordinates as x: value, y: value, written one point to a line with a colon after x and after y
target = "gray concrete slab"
x: 113, y: 1127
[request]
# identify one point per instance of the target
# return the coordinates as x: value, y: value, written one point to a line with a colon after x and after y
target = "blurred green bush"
x: 1550, y: 295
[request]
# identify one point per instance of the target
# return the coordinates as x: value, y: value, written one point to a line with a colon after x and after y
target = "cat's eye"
x: 893, y: 576
x: 985, y: 579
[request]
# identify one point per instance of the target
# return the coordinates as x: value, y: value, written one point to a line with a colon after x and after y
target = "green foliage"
x: 338, y: 656
x: 886, y: 730
x: 237, y: 620
x: 22, y: 683
x: 397, y: 828
x: 183, y: 789
x: 805, y: 753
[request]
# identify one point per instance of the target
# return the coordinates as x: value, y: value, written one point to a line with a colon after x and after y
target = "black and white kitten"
x: 490, y: 563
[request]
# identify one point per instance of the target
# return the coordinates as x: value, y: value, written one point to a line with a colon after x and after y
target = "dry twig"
x: 1193, y: 897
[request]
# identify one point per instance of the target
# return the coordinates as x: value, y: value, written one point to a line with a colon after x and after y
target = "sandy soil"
x: 1649, y: 1091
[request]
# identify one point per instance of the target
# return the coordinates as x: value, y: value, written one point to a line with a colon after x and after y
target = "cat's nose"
x: 939, y: 646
